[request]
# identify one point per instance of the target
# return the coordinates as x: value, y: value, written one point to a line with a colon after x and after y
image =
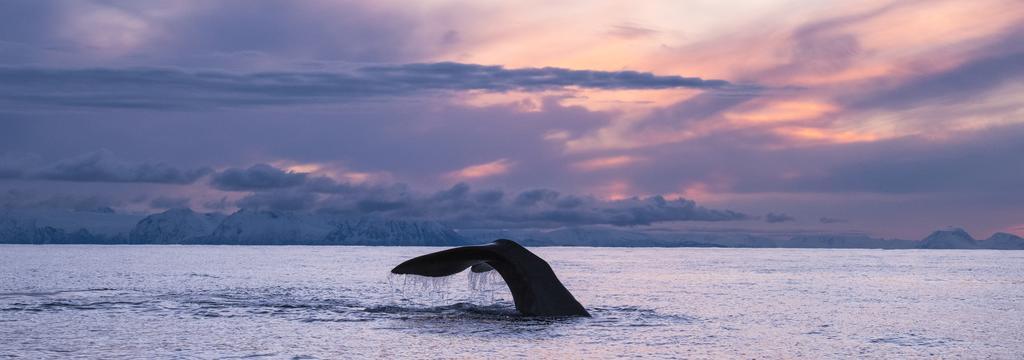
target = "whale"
x: 535, y: 289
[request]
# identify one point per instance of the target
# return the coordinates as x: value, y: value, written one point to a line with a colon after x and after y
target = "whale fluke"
x: 535, y: 288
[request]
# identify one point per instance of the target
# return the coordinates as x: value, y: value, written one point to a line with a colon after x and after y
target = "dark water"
x: 338, y: 302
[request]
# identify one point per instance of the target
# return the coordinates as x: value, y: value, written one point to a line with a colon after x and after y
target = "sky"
x: 890, y: 118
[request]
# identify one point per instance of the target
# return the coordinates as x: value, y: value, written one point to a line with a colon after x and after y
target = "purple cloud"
x: 98, y: 166
x: 256, y: 177
x: 167, y: 88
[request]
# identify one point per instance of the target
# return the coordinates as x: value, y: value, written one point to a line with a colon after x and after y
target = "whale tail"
x: 535, y: 289
x: 446, y: 262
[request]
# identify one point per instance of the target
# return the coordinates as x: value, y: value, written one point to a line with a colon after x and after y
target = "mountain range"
x: 262, y: 227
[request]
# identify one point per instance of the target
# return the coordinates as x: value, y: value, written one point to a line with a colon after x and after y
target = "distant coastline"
x: 260, y: 227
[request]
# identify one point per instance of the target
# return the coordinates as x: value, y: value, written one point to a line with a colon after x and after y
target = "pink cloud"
x: 489, y: 169
x: 609, y: 162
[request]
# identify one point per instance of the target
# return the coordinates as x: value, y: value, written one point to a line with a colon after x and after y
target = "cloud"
x: 828, y: 220
x: 489, y: 196
x: 99, y: 166
x: 227, y: 32
x: 686, y: 113
x: 824, y: 46
x: 217, y: 204
x: 976, y: 162
x: 461, y: 206
x: 169, y: 202
x: 287, y: 200
x: 548, y: 208
x: 14, y: 165
x: 22, y: 199
x: 280, y: 52
x: 535, y: 196
x: 170, y: 88
x: 489, y: 169
x: 967, y: 81
x: 604, y: 163
x: 631, y: 31
x: 256, y: 177
x: 774, y: 218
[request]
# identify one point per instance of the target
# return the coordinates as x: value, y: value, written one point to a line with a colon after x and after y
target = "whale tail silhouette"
x: 535, y: 289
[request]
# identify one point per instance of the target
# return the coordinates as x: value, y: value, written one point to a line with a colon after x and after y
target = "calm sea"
x: 296, y: 302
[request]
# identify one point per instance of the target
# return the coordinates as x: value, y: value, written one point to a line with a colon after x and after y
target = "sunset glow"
x: 717, y: 101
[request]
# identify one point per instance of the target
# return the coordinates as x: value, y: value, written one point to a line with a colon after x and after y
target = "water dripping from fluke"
x: 535, y: 289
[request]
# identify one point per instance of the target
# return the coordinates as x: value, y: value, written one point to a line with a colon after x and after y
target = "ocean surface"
x: 296, y: 302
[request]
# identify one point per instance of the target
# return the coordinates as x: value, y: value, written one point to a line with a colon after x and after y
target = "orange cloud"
x: 632, y: 101
x: 606, y: 162
x: 522, y: 101
x: 936, y: 22
x: 332, y: 171
x: 786, y: 111
x: 816, y: 135
x: 890, y: 42
x: 492, y: 168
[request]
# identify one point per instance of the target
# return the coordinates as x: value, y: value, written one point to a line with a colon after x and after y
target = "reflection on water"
x: 329, y: 302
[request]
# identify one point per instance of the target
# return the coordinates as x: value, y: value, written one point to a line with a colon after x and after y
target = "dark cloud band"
x: 168, y: 88
x: 462, y: 207
x: 256, y: 177
x: 774, y: 218
x: 97, y: 166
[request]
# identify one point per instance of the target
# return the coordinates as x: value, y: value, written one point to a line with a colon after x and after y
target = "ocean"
x: 307, y: 302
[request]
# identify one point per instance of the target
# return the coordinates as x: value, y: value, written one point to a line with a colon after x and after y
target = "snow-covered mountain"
x: 19, y: 229
x: 953, y: 238
x: 100, y: 221
x: 264, y: 227
x: 563, y: 237
x: 393, y: 232
x: 252, y: 227
x: 175, y: 226
x: 1003, y: 241
x: 260, y: 227
x: 944, y: 239
x: 845, y: 242
x: 245, y: 227
x: 591, y: 237
x: 611, y: 237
